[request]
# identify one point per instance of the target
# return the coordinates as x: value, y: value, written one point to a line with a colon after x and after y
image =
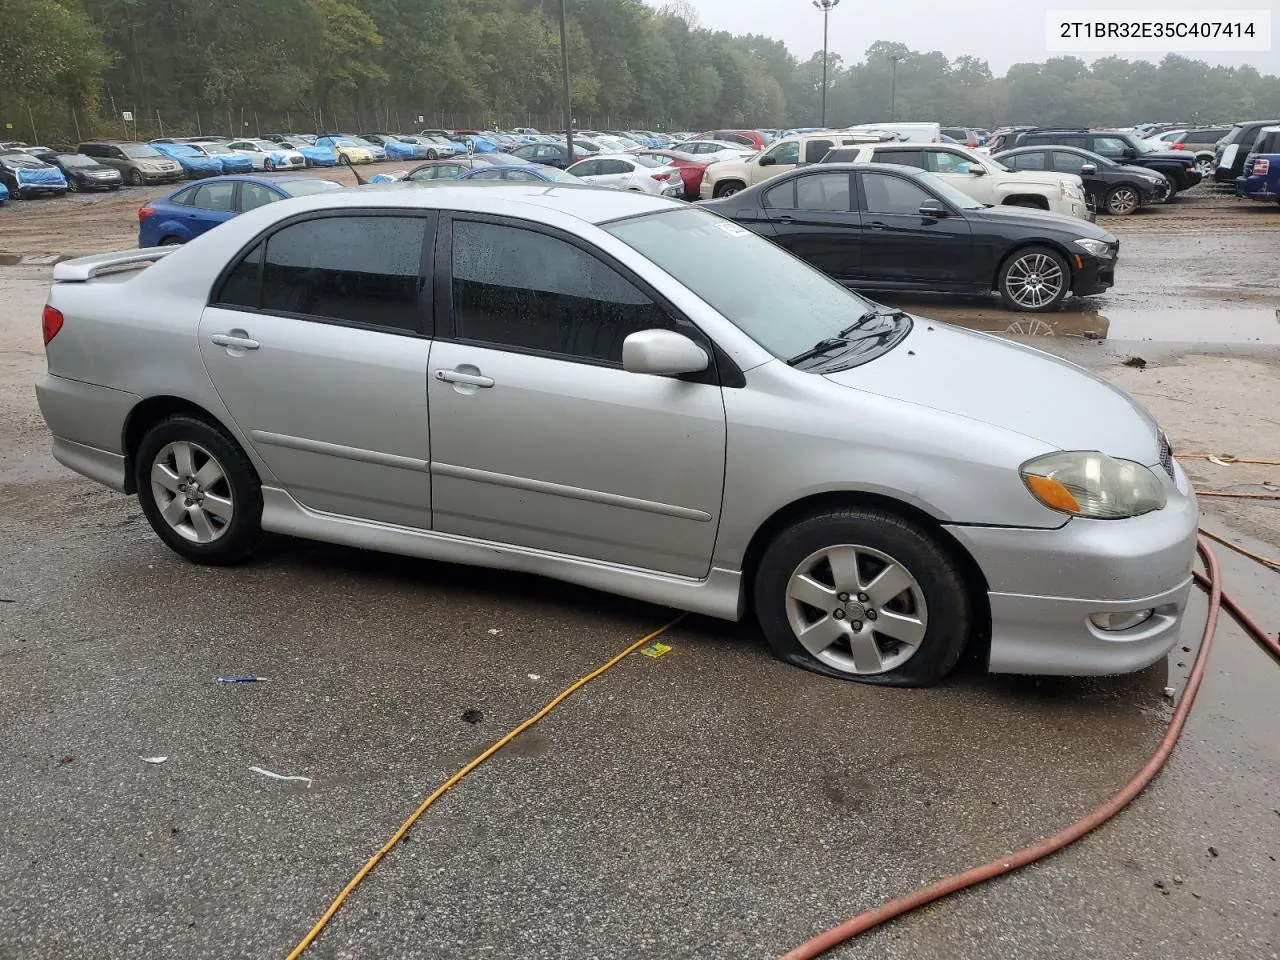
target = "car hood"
x: 1041, y: 219
x: 1134, y: 170
x: 1009, y: 386
x: 1179, y: 155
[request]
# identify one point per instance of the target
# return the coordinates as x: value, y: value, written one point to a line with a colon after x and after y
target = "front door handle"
x: 233, y: 342
x: 783, y: 218
x: 877, y: 225
x: 461, y: 376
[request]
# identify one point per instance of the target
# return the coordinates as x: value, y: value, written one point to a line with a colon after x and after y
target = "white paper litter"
x: 535, y: 676
x: 153, y: 759
x: 280, y: 776
x: 495, y: 632
x: 1220, y: 462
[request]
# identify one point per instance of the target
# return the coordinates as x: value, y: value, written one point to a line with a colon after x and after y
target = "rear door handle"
x: 877, y: 225
x: 238, y: 343
x: 783, y: 218
x: 470, y: 379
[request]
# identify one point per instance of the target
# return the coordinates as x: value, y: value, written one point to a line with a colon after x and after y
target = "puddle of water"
x: 1260, y: 326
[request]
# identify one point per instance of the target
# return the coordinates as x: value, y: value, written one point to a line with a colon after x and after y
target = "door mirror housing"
x: 1089, y: 168
x: 1130, y: 153
x: 662, y: 353
x: 934, y: 209
x: 768, y: 161
x: 977, y: 169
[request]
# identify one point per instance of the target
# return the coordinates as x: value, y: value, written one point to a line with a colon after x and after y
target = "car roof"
x: 606, y: 156
x: 582, y: 202
x: 246, y: 178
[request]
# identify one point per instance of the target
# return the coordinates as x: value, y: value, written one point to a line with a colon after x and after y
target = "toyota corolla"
x: 632, y: 394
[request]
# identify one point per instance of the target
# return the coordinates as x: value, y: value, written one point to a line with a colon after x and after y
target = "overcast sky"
x: 1002, y: 32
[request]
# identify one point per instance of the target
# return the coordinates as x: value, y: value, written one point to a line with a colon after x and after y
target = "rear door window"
x: 364, y: 270
x: 254, y: 195
x: 815, y: 150
x: 1026, y: 161
x: 906, y: 158
x: 828, y: 192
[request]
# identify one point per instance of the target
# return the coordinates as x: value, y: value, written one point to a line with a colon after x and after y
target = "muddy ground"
x: 712, y: 803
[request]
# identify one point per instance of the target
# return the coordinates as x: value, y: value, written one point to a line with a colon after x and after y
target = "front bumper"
x: 1094, y: 275
x: 1044, y: 585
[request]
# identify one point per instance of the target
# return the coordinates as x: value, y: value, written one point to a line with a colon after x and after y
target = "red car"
x: 748, y: 138
x: 691, y: 171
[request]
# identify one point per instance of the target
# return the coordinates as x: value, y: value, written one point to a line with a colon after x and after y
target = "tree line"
x: 481, y: 62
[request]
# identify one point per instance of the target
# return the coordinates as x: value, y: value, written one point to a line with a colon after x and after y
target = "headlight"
x: 1093, y: 485
x: 1096, y: 247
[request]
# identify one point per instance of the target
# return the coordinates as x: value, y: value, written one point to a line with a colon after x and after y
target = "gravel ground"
x: 712, y: 803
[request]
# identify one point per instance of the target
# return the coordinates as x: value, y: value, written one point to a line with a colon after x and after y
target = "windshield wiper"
x: 868, y: 317
x: 825, y: 345
x: 842, y: 339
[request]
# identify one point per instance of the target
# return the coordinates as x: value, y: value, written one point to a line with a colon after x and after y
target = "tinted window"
x: 587, y: 168
x: 783, y: 196
x: 215, y: 196
x: 1026, y: 161
x: 253, y: 195
x: 614, y: 167
x: 525, y: 290
x: 815, y: 150
x: 825, y: 191
x: 891, y: 195
x: 490, y: 174
x: 519, y: 175
x: 1065, y: 162
x: 242, y: 286
x: 908, y: 158
x: 359, y: 269
x: 1109, y: 146
x: 184, y: 196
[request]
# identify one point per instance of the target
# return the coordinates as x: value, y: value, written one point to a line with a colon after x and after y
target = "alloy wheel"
x: 1205, y: 166
x: 1122, y: 201
x: 1034, y: 280
x: 856, y: 609
x: 192, y: 492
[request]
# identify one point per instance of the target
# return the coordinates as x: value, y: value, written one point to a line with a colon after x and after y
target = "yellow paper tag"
x: 656, y: 650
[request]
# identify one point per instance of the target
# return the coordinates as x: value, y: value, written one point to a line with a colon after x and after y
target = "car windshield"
x: 560, y: 176
x: 998, y: 165
x: 953, y: 196
x: 646, y: 161
x: 265, y: 144
x: 779, y: 301
x: 140, y: 151
x: 215, y: 148
x: 76, y: 160
x: 181, y: 150
x: 304, y: 188
x: 499, y: 159
x: 347, y: 142
x: 1143, y: 147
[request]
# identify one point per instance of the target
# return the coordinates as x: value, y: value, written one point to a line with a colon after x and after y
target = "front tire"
x: 1122, y: 201
x: 134, y: 179
x: 863, y: 594
x: 726, y: 189
x: 432, y: 155
x: 199, y: 491
x: 73, y: 184
x: 1034, y: 280
x: 269, y: 164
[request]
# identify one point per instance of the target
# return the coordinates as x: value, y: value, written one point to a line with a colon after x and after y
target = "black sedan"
x: 877, y: 226
x: 1115, y: 188
x: 85, y: 173
x: 551, y: 154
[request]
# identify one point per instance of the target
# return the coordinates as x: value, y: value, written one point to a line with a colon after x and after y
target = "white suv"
x: 984, y: 179
x: 727, y: 177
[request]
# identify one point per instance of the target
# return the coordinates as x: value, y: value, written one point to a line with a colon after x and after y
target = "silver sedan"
x: 632, y: 394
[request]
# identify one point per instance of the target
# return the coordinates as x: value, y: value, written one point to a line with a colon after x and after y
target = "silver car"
x: 628, y: 393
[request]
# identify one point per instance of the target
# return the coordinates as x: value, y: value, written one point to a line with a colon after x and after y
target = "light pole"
x: 893, y: 89
x: 826, y: 6
x: 568, y: 98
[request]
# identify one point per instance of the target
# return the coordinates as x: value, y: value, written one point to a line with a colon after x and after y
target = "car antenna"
x: 359, y: 179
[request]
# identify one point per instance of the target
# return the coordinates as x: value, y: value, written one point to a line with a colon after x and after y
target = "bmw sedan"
x: 632, y: 394
x: 877, y: 226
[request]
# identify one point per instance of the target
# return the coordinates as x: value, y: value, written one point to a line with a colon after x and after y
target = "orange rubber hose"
x: 1090, y: 821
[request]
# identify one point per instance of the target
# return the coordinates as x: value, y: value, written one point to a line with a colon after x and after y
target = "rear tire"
x: 73, y: 185
x: 907, y: 616
x: 269, y: 164
x: 1205, y: 166
x: 171, y: 242
x: 199, y: 491
x: 727, y: 189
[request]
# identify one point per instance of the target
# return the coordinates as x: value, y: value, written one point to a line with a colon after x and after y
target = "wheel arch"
x: 974, y: 579
x: 1039, y: 201
x: 733, y: 181
x: 151, y: 411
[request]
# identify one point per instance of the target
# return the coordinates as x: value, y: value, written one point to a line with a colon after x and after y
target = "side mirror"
x: 662, y: 353
x: 768, y: 161
x: 934, y: 210
x: 1130, y: 153
x: 977, y: 169
x: 1089, y: 168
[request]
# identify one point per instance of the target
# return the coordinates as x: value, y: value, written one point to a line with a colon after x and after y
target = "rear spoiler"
x: 86, y: 268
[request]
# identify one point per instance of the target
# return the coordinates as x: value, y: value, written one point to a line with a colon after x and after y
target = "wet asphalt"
x: 710, y: 803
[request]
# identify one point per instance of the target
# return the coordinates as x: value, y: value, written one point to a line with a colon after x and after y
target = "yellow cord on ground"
x: 452, y: 781
x: 1242, y: 496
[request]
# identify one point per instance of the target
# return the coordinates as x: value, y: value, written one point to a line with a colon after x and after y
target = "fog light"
x: 1120, y: 621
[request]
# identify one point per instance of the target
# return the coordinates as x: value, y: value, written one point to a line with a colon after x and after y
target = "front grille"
x: 1166, y: 456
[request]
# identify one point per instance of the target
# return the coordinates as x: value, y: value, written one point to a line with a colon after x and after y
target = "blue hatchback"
x: 198, y: 208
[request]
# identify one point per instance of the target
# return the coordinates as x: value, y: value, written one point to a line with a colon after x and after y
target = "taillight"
x: 145, y: 212
x: 1261, y: 165
x: 661, y: 176
x: 50, y: 323
x: 1179, y: 146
